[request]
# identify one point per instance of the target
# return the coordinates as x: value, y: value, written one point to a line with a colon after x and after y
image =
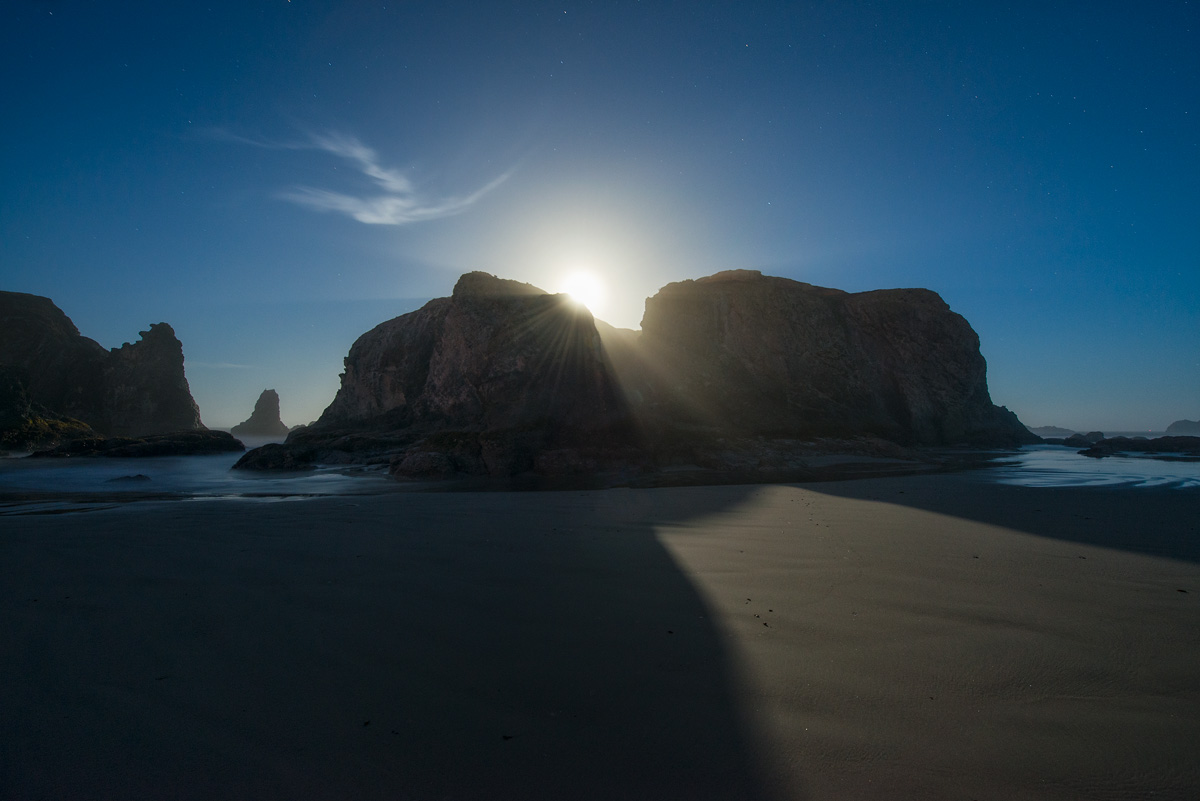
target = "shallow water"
x: 208, y: 476
x: 1058, y: 466
x: 211, y: 477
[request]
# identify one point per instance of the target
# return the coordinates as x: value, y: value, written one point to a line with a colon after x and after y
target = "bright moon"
x: 586, y: 289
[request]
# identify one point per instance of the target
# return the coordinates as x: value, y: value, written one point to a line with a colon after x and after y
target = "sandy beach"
x: 928, y: 636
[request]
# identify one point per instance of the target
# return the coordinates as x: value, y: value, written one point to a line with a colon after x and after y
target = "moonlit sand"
x: 932, y: 636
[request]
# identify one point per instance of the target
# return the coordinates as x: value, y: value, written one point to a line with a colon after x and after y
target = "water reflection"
x: 206, y: 476
x: 1057, y: 466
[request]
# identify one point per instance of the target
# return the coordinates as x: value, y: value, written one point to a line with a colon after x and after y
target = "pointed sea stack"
x: 264, y: 420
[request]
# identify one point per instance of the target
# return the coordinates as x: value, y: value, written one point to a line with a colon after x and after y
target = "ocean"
x: 193, y: 477
x: 1059, y: 466
x: 211, y: 477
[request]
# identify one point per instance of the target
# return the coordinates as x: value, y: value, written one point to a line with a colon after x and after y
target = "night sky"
x: 275, y: 178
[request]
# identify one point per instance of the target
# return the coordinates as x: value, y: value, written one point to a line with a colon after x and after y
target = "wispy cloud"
x: 396, y: 201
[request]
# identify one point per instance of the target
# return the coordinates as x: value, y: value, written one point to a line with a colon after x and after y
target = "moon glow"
x: 587, y: 289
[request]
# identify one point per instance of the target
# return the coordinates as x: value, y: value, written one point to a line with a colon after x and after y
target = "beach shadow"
x: 426, y: 646
x: 1156, y: 521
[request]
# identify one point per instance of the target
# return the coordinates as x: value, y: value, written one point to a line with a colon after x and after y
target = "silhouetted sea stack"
x: 770, y: 356
x: 1052, y: 431
x: 485, y: 382
x: 1083, y: 440
x: 1184, y: 428
x: 731, y: 372
x: 264, y: 420
x: 133, y: 390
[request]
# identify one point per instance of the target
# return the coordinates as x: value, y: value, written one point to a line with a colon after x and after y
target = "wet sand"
x: 928, y: 636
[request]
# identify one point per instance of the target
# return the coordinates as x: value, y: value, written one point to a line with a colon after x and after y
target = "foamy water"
x: 1058, y: 466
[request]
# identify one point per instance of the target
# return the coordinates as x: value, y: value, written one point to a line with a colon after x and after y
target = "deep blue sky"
x: 275, y: 178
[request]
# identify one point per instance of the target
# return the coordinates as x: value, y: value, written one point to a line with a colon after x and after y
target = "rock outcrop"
x: 1179, y: 448
x: 735, y: 371
x: 26, y: 425
x: 1052, y: 431
x: 770, y: 356
x: 264, y: 420
x: 1184, y: 428
x: 137, y: 389
x: 1081, y: 440
x: 482, y: 382
x: 177, y: 443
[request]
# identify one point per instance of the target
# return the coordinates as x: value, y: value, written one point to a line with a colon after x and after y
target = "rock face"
x: 264, y: 420
x: 1184, y: 428
x: 482, y: 382
x: 136, y: 389
x: 26, y: 425
x: 502, y: 378
x: 496, y: 355
x: 772, y: 356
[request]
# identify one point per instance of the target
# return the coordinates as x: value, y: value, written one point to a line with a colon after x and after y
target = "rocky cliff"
x: 484, y: 381
x: 137, y: 389
x: 495, y: 355
x: 26, y: 425
x: 731, y: 371
x: 264, y: 420
x: 740, y: 351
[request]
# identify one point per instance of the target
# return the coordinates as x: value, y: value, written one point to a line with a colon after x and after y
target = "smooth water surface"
x: 208, y: 476
x: 1058, y: 466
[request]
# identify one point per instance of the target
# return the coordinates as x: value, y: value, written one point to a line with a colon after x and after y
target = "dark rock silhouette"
x: 1083, y: 440
x: 733, y: 372
x: 264, y: 420
x: 1052, y: 431
x: 26, y: 425
x: 1184, y: 428
x: 1180, y: 448
x: 483, y: 382
x: 772, y: 356
x: 136, y: 389
x: 176, y: 443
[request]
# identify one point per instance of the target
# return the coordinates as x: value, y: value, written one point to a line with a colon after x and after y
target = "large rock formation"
x: 484, y: 381
x: 745, y: 352
x: 733, y: 371
x: 264, y: 420
x: 136, y: 389
x: 1184, y: 428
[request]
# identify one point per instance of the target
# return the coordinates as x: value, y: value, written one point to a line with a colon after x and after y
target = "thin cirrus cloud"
x: 399, y: 204
x: 397, y: 200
